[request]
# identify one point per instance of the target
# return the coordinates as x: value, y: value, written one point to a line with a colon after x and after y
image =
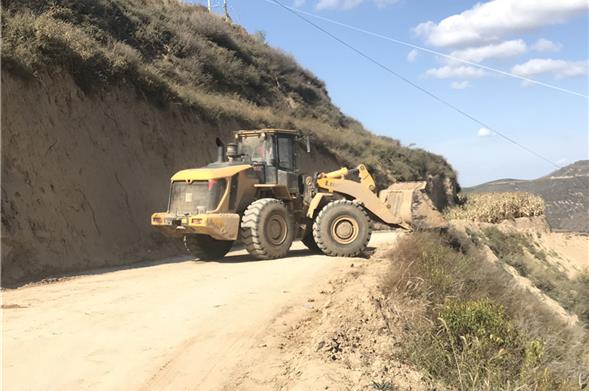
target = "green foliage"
x: 475, y: 343
x: 172, y: 51
x: 496, y: 207
x: 472, y: 329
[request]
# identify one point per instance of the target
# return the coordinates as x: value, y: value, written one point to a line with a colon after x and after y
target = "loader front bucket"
x: 410, y: 201
x: 399, y: 198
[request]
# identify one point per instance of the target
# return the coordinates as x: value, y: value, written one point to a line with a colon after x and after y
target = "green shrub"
x: 471, y: 328
x: 474, y: 344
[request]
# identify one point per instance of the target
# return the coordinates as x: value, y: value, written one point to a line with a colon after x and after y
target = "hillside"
x: 565, y: 191
x: 178, y: 54
x: 103, y: 100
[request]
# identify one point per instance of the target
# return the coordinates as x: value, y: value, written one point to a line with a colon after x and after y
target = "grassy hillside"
x: 468, y: 324
x: 179, y: 54
x: 565, y: 192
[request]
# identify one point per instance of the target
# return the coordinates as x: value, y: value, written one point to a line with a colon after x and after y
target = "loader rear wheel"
x: 308, y: 239
x: 342, y: 228
x: 206, y: 248
x: 267, y: 229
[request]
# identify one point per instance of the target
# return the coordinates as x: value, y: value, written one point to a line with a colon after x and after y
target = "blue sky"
x: 545, y: 40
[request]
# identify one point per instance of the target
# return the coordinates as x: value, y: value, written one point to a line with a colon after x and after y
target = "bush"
x: 496, y: 207
x: 474, y: 343
x: 471, y: 328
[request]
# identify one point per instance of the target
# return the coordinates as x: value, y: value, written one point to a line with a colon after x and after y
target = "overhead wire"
x: 435, y: 52
x: 413, y: 84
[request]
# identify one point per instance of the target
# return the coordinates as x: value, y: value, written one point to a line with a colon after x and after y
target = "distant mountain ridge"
x: 565, y: 191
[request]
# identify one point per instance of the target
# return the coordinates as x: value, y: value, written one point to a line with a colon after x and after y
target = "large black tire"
x: 342, y: 229
x: 206, y: 248
x: 267, y: 229
x: 308, y: 239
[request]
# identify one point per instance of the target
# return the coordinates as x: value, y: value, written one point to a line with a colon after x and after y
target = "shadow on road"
x: 229, y: 259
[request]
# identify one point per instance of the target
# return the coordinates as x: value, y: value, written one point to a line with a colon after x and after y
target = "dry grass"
x: 496, y: 207
x: 519, y: 251
x: 470, y: 328
x: 172, y: 51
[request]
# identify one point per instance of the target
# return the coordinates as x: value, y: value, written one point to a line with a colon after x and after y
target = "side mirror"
x: 308, y: 144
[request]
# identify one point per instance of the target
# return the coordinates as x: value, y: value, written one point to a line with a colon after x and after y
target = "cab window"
x: 285, y: 153
x: 257, y: 149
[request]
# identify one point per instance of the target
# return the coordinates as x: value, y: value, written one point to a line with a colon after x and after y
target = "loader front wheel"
x: 206, y: 248
x: 267, y: 229
x: 342, y: 229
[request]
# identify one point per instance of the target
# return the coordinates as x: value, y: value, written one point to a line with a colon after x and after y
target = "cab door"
x: 286, y: 162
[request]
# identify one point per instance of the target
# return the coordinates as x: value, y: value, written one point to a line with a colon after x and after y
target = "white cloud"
x: 384, y: 3
x: 484, y: 132
x: 500, y: 50
x: 348, y: 4
x: 298, y: 3
x: 559, y: 68
x: 455, y: 72
x: 546, y: 45
x: 460, y: 85
x: 412, y: 56
x: 337, y: 4
x: 494, y: 19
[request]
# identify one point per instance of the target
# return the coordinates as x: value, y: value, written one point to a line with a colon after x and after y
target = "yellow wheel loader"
x: 256, y: 194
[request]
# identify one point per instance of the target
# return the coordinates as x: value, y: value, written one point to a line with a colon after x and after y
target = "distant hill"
x: 566, y: 192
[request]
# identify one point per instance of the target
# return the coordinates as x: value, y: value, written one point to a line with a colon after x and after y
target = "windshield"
x: 256, y: 149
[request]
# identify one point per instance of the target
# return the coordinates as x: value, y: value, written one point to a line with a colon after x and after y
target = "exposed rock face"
x: 442, y: 191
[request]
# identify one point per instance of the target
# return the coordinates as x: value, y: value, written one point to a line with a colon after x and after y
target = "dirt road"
x: 180, y: 325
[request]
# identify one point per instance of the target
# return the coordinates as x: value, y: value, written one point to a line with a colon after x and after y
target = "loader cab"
x: 273, y: 153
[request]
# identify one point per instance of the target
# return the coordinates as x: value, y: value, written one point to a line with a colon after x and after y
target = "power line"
x: 403, y: 78
x: 431, y: 51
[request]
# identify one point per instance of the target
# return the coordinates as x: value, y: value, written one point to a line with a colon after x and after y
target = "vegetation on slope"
x: 173, y: 52
x: 468, y: 326
x: 496, y: 207
x: 520, y: 251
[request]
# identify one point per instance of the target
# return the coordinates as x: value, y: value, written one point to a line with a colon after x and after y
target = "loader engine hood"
x: 206, y: 173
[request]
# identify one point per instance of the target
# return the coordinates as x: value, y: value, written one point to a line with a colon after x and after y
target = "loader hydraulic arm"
x: 365, y: 177
x: 363, y: 192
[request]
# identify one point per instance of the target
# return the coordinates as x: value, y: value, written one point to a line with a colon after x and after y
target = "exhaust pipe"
x: 220, y: 150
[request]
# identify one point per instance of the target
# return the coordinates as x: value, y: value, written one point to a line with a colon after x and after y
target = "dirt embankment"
x: 81, y: 174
